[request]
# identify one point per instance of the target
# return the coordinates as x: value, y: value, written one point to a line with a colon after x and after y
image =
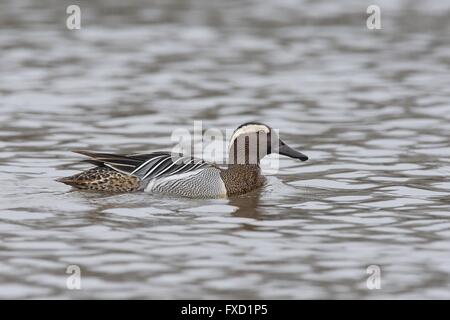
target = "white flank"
x: 156, y: 181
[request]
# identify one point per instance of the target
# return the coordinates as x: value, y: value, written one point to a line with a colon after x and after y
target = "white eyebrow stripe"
x: 146, y: 163
x: 168, y: 168
x: 251, y: 128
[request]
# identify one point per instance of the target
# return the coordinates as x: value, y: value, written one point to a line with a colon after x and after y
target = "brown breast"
x: 242, y: 178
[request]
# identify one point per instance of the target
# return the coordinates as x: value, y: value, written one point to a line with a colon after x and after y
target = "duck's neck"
x: 242, y: 178
x: 242, y: 154
x: 243, y: 173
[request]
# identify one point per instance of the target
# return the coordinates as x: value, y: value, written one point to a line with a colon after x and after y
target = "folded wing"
x: 146, y: 166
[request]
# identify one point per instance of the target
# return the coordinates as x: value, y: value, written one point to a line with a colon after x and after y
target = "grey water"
x: 369, y: 107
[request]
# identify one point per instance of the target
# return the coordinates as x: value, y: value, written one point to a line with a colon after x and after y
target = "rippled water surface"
x: 370, y: 108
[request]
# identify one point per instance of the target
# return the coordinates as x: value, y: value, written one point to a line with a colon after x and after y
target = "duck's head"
x: 252, y: 141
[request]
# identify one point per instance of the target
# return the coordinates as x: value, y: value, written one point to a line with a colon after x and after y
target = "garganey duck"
x: 164, y: 172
